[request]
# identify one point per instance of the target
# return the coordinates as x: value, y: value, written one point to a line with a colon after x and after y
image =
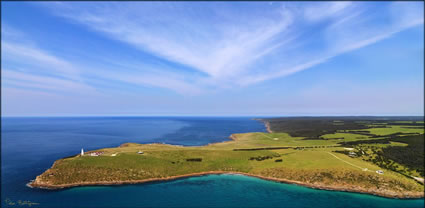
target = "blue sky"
x: 212, y: 58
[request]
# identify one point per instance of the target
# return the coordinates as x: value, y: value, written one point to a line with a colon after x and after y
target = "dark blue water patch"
x: 210, y: 130
x: 31, y: 145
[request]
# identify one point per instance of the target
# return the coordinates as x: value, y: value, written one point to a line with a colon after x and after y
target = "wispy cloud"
x: 322, y: 10
x: 229, y: 45
x: 32, y: 68
x: 35, y: 56
x: 26, y: 80
x: 214, y: 46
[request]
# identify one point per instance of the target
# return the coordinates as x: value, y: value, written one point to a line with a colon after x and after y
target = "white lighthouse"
x: 82, y: 152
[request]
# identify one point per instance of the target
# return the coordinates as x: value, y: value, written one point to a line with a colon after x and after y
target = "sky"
x: 212, y: 58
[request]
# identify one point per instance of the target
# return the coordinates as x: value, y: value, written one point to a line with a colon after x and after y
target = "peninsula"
x: 374, y: 155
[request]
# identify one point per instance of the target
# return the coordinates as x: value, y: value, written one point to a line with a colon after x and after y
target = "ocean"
x: 30, y: 145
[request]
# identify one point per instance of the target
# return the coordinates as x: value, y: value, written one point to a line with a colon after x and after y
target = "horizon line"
x: 222, y: 116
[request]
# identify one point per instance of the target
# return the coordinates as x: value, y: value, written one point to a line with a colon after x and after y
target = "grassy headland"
x: 317, y: 157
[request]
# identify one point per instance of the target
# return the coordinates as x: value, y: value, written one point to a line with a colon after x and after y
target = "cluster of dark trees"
x: 314, y: 127
x: 371, y: 141
x: 260, y: 158
x: 194, y: 160
x: 310, y: 127
x: 262, y: 148
x: 410, y: 156
x: 276, y: 148
x: 301, y: 147
x: 321, y: 138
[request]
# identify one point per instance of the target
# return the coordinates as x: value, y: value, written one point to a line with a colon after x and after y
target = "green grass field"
x: 303, y: 160
x: 392, y: 129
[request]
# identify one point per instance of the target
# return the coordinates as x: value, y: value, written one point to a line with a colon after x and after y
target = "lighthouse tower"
x: 82, y: 152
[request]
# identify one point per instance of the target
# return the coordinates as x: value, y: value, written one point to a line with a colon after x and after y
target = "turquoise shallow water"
x: 223, y: 191
x: 31, y: 145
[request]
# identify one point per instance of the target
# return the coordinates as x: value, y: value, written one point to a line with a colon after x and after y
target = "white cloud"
x: 26, y: 80
x: 35, y: 56
x: 211, y: 47
x: 321, y: 10
x: 44, y: 71
x: 228, y: 47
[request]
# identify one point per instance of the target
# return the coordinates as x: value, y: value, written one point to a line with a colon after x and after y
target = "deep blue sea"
x: 29, y: 146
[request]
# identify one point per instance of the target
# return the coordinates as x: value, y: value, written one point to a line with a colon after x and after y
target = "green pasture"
x: 392, y: 129
x: 314, y: 159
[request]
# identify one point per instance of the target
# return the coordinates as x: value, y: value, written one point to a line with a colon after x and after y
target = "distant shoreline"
x: 266, y: 123
x: 269, y: 130
x: 386, y: 194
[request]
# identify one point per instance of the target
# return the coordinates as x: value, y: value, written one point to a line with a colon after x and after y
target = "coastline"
x: 37, y: 183
x: 269, y: 130
x: 386, y: 194
x: 267, y: 124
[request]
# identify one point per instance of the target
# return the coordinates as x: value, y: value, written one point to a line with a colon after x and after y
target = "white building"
x: 96, y: 153
x: 82, y: 152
